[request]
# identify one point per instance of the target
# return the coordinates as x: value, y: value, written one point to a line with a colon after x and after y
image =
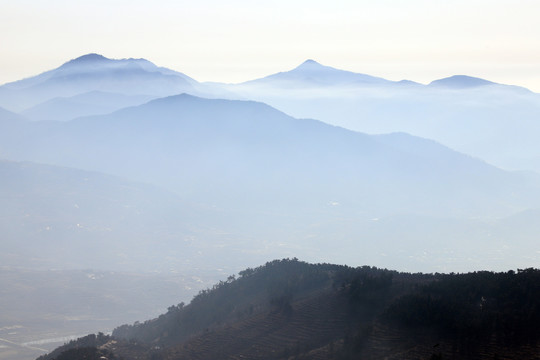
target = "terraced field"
x: 317, y: 319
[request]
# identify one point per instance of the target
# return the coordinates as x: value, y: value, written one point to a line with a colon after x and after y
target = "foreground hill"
x: 290, y: 309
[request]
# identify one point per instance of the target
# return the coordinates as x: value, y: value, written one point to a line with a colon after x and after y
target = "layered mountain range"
x: 246, y: 178
x: 491, y: 121
x: 125, y: 166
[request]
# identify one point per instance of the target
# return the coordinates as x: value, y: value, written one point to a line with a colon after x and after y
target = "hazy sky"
x: 237, y: 40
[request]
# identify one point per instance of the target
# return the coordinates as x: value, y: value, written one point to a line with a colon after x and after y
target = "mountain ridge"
x: 93, y: 72
x: 289, y: 308
x: 232, y: 125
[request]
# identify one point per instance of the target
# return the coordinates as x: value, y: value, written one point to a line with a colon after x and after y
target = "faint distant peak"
x: 408, y: 82
x: 461, y: 81
x: 309, y: 64
x: 98, y: 60
x: 88, y: 58
x: 312, y: 73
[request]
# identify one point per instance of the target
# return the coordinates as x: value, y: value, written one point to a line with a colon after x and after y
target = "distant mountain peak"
x: 314, y: 73
x: 91, y: 57
x: 310, y: 64
x: 88, y: 58
x: 98, y: 60
x: 461, y: 81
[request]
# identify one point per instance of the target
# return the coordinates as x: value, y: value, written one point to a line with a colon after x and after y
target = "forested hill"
x: 288, y: 309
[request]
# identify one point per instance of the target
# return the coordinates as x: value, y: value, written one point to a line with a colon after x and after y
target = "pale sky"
x: 237, y: 40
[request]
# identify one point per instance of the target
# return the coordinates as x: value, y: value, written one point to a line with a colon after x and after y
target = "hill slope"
x: 292, y: 309
x: 62, y: 218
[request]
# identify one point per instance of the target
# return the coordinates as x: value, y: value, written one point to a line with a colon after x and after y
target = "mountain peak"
x: 312, y: 73
x: 88, y: 58
x: 461, y: 81
x: 309, y: 63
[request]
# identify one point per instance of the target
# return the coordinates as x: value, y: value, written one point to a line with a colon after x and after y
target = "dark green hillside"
x: 288, y: 309
x: 475, y: 308
x: 270, y: 288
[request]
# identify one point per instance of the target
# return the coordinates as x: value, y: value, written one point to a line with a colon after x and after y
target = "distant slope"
x: 288, y: 308
x: 55, y: 217
x: 6, y: 115
x: 90, y: 103
x: 12, y: 126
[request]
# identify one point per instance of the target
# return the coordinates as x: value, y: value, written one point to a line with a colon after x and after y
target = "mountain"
x: 95, y: 72
x: 490, y: 121
x: 311, y: 73
x: 487, y: 120
x: 185, y: 143
x: 288, y: 308
x: 269, y: 185
x: 200, y: 185
x: 461, y: 82
x: 493, y: 122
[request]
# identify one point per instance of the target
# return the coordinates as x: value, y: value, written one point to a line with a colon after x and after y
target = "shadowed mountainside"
x: 290, y: 309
